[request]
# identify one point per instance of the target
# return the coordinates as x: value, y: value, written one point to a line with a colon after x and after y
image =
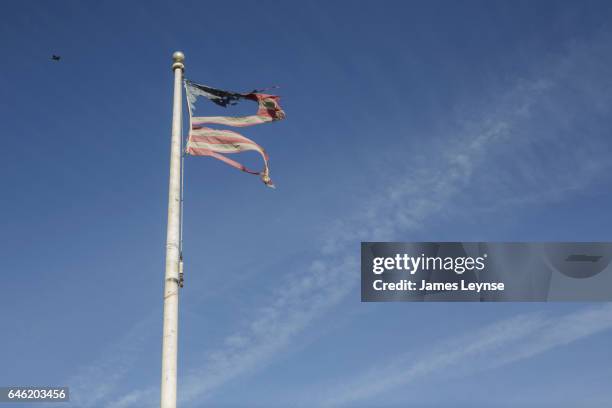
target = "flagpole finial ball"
x: 178, y: 58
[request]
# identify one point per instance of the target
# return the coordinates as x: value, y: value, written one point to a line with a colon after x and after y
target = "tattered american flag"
x: 205, y: 141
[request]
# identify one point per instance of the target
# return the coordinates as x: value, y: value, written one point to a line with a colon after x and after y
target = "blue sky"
x: 406, y: 121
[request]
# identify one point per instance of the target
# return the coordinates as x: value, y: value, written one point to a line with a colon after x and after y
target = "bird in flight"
x: 55, y: 57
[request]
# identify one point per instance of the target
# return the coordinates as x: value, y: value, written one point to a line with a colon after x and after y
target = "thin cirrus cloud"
x: 492, y: 346
x: 91, y: 386
x: 491, y: 152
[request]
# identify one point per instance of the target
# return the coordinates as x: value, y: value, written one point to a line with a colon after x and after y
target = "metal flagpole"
x: 171, y: 286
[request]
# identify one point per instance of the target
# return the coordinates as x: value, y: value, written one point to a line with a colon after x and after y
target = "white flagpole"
x: 171, y: 287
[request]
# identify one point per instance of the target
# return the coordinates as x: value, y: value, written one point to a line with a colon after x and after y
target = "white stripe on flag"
x: 238, y: 121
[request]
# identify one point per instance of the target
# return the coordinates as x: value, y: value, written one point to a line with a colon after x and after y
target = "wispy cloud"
x: 92, y: 386
x: 277, y: 324
x: 145, y: 397
x: 492, y: 346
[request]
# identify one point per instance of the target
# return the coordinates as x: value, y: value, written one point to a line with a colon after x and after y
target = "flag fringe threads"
x: 205, y: 141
